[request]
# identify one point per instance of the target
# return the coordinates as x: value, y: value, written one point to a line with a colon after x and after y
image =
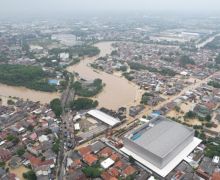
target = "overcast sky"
x: 9, y: 7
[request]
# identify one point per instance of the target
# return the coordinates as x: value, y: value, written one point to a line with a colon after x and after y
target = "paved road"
x: 67, y: 126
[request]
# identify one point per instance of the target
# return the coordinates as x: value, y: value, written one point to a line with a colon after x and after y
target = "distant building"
x: 64, y: 56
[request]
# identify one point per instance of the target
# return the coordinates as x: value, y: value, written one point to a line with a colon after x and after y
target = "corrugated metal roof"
x: 103, y: 117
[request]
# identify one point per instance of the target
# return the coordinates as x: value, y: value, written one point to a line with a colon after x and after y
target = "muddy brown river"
x: 25, y: 93
x: 117, y: 91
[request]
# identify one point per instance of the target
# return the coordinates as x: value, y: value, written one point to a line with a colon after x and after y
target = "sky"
x: 16, y: 7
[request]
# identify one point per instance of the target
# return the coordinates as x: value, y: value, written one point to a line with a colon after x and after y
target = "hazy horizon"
x: 50, y: 7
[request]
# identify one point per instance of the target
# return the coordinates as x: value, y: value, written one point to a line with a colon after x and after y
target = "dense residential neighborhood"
x: 110, y: 98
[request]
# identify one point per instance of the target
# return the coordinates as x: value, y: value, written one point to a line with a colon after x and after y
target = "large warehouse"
x: 105, y: 118
x: 160, y: 144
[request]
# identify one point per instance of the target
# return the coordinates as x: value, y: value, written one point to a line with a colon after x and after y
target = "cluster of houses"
x: 110, y: 163
x: 27, y: 138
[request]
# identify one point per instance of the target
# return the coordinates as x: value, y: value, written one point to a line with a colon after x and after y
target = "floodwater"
x: 25, y: 93
x: 19, y: 171
x: 117, y: 92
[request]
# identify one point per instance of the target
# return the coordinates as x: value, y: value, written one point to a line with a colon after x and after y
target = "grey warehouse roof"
x: 164, y: 137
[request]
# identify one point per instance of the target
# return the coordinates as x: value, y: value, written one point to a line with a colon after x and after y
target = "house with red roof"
x: 114, y: 172
x: 106, y: 152
x: 84, y: 151
x: 106, y: 176
x: 216, y: 176
x: 5, y: 154
x: 115, y: 157
x: 128, y: 171
x: 90, y: 159
x: 120, y: 165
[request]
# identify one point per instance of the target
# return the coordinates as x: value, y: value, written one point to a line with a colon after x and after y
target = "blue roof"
x: 53, y: 81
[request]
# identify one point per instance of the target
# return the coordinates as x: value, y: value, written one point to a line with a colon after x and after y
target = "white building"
x: 101, y: 116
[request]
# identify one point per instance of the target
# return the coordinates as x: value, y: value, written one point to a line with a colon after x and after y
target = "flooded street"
x: 24, y: 93
x: 19, y: 171
x: 117, y: 91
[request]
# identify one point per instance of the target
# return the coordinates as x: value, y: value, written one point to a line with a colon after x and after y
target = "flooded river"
x: 24, y: 93
x: 117, y: 91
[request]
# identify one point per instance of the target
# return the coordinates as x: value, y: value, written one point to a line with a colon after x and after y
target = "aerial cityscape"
x: 107, y: 91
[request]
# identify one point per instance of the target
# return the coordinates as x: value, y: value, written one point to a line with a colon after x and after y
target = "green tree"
x: 88, y: 90
x: 217, y: 59
x: 32, y: 77
x: 2, y: 164
x: 10, y: 102
x: 92, y: 172
x: 12, y: 138
x: 190, y: 115
x: 208, y: 118
x: 30, y: 175
x: 56, y: 107
x: 83, y: 103
x: 123, y: 68
x: 56, y: 146
x: 185, y: 60
x: 20, y: 151
x: 214, y: 84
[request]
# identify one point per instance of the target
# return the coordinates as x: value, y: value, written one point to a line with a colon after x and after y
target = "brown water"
x: 19, y: 171
x: 25, y: 93
x: 117, y: 91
